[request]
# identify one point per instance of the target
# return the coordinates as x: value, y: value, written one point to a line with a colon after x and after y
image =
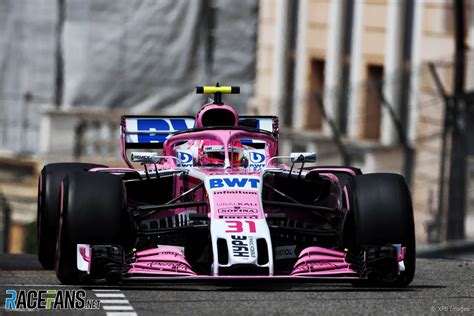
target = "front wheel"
x: 48, y: 206
x: 383, y: 215
x: 92, y: 212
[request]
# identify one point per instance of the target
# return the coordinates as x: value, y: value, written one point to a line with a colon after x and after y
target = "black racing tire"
x: 92, y: 212
x: 48, y: 207
x: 383, y: 214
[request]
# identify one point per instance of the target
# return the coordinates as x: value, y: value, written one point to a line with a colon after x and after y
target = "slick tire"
x: 48, y: 207
x: 93, y: 210
x: 383, y: 214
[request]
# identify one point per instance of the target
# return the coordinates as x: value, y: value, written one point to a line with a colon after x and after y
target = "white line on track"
x: 102, y: 294
x: 117, y: 307
x: 106, y: 290
x: 113, y: 302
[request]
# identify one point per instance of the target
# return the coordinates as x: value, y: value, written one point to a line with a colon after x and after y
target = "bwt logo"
x: 185, y: 158
x: 218, y: 183
x: 257, y: 161
x: 256, y: 157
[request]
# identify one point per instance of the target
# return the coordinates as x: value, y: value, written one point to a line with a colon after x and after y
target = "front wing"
x: 168, y: 264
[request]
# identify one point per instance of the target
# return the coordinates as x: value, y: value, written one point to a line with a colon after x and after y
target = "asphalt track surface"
x: 440, y: 286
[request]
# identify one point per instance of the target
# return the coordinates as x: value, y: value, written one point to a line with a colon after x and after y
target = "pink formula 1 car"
x: 209, y: 198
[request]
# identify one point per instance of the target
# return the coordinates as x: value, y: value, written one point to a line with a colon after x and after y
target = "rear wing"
x: 266, y: 123
x: 150, y: 132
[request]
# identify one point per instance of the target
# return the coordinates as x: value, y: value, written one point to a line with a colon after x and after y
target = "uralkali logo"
x: 234, y: 182
x: 236, y: 203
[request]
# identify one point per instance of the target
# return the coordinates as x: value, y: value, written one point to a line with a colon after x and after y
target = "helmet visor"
x: 216, y: 154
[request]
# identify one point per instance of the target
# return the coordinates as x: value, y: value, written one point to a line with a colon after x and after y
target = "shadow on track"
x: 22, y: 261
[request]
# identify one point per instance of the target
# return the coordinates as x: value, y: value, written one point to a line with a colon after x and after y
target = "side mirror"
x: 145, y: 157
x: 303, y: 157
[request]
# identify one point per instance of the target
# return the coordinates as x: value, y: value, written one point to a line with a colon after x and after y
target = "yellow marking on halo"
x: 213, y: 89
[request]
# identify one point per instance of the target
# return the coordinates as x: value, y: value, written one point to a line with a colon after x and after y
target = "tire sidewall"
x: 49, y: 205
x: 92, y: 211
x: 382, y: 213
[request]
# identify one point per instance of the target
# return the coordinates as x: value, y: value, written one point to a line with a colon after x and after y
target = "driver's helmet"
x: 212, y: 153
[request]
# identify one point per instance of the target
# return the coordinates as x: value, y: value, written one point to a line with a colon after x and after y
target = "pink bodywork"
x: 163, y: 261
x: 318, y: 261
x: 312, y: 262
